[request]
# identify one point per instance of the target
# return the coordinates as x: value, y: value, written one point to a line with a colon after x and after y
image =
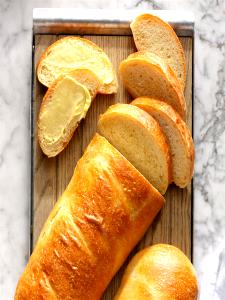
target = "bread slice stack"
x: 155, y: 75
x: 156, y: 36
x: 74, y: 70
x: 158, y: 69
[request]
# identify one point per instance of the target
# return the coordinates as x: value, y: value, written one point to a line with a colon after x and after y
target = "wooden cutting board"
x: 50, y: 176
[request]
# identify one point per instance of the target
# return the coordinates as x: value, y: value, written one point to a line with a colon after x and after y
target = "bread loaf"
x: 178, y: 136
x: 64, y: 105
x: 71, y: 53
x: 154, y: 35
x: 160, y: 272
x: 140, y: 139
x: 104, y: 211
x: 145, y: 74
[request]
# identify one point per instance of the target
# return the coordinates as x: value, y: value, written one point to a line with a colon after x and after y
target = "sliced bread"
x: 178, y: 136
x: 140, y: 139
x: 145, y: 74
x: 153, y: 34
x: 71, y: 53
x: 64, y: 105
x: 87, y: 78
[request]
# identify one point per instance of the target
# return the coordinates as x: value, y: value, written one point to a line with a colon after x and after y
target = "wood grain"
x: 50, y: 176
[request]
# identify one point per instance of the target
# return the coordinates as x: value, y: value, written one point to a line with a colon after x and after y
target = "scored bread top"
x: 140, y: 139
x: 159, y: 272
x: 71, y: 53
x: 178, y: 136
x: 64, y: 105
x: 153, y: 34
x: 102, y: 214
x: 146, y: 74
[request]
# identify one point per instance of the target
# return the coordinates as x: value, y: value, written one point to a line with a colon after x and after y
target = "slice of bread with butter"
x: 63, y: 107
x: 70, y: 53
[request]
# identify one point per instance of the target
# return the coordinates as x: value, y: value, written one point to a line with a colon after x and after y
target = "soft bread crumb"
x: 145, y: 74
x: 154, y: 35
x: 139, y: 138
x: 178, y: 136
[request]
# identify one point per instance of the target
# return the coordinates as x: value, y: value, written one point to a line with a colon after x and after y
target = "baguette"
x: 140, y: 139
x: 145, y: 74
x: 178, y: 136
x: 104, y: 211
x: 160, y: 272
x: 64, y: 105
x: 154, y: 35
x: 71, y: 53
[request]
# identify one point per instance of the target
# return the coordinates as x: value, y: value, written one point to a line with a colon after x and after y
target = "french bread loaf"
x: 104, y: 211
x: 178, y: 136
x: 145, y: 74
x: 154, y: 35
x: 71, y: 53
x: 160, y: 272
x: 140, y: 139
x: 64, y: 105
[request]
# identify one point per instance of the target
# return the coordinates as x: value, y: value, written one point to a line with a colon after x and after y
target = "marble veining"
x: 209, y: 119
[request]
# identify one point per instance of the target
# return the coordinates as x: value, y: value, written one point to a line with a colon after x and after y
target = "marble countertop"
x: 209, y: 120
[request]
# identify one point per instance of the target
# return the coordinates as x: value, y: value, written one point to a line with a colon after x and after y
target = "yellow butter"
x: 69, y: 102
x: 75, y: 54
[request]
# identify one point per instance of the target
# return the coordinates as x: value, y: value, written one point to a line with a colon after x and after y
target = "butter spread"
x: 69, y: 102
x: 80, y: 56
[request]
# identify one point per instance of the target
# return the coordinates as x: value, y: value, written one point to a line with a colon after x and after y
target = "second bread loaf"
x: 159, y: 272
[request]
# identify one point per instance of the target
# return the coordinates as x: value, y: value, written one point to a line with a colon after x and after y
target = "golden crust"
x: 149, y: 105
x: 174, y: 39
x: 104, y: 211
x: 153, y: 61
x: 103, y: 88
x: 159, y: 272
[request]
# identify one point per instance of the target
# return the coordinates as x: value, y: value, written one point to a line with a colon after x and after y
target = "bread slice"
x: 140, y: 139
x: 71, y: 53
x: 146, y: 74
x: 159, y: 272
x: 154, y: 35
x: 88, y: 79
x: 178, y: 137
x: 64, y: 105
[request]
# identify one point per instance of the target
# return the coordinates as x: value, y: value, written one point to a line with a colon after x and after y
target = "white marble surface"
x: 15, y: 71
